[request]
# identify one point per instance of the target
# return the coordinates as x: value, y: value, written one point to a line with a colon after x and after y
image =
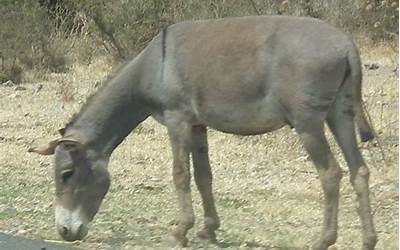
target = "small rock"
x: 366, y: 154
x: 15, y: 95
x: 38, y: 88
x: 8, y: 83
x: 21, y: 232
x: 19, y: 88
x: 371, y: 66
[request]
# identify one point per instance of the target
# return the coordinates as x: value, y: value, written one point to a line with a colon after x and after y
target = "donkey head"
x: 81, y: 179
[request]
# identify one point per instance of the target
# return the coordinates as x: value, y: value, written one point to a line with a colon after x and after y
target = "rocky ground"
x: 267, y: 191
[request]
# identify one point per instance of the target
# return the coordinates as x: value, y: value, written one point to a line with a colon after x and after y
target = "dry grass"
x: 268, y: 194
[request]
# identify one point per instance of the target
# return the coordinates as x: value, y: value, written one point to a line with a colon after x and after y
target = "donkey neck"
x: 112, y: 113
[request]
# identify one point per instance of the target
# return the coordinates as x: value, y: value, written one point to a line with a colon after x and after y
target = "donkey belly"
x: 250, y: 118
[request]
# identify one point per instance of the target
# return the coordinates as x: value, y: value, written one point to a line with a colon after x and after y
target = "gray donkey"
x: 245, y: 76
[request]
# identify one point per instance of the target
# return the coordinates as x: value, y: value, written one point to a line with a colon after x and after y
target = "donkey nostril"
x: 64, y: 231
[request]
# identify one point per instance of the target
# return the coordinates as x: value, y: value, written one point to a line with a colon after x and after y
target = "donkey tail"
x: 364, y: 128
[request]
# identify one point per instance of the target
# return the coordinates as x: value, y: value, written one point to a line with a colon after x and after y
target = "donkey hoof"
x: 370, y: 245
x: 370, y: 241
x: 320, y: 245
x: 207, y: 235
x: 178, y: 241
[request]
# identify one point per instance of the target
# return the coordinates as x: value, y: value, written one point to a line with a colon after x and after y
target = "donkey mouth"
x: 72, y: 235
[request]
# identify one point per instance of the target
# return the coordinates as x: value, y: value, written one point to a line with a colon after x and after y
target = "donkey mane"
x: 89, y: 100
x: 107, y: 81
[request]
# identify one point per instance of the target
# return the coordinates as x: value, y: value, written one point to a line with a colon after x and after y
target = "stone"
x: 8, y: 83
x: 19, y: 88
x: 371, y: 66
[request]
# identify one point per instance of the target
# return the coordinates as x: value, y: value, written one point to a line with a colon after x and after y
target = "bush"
x: 30, y: 40
x: 381, y: 18
x: 127, y: 26
x: 52, y: 34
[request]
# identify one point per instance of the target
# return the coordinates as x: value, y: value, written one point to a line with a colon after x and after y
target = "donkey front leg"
x: 180, y: 137
x: 203, y: 178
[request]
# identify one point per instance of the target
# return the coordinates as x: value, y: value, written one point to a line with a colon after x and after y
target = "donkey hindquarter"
x: 250, y: 76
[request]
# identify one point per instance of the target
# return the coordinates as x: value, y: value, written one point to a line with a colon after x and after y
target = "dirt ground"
x: 267, y: 191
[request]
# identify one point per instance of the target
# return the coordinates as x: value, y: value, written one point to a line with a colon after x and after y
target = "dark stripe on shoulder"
x: 163, y: 42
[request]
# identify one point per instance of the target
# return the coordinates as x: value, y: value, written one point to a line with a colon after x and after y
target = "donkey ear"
x: 72, y: 146
x: 50, y: 148
x: 69, y: 139
x: 45, y: 150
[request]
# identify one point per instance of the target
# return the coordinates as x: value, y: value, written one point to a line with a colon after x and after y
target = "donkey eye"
x: 66, y: 175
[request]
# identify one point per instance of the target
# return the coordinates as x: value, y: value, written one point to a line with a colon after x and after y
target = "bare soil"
x: 267, y: 191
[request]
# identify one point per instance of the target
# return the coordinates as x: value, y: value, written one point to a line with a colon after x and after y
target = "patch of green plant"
x: 230, y: 202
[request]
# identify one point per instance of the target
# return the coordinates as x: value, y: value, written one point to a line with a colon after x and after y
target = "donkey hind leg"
x: 341, y: 122
x: 203, y: 178
x: 180, y: 137
x: 330, y: 174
